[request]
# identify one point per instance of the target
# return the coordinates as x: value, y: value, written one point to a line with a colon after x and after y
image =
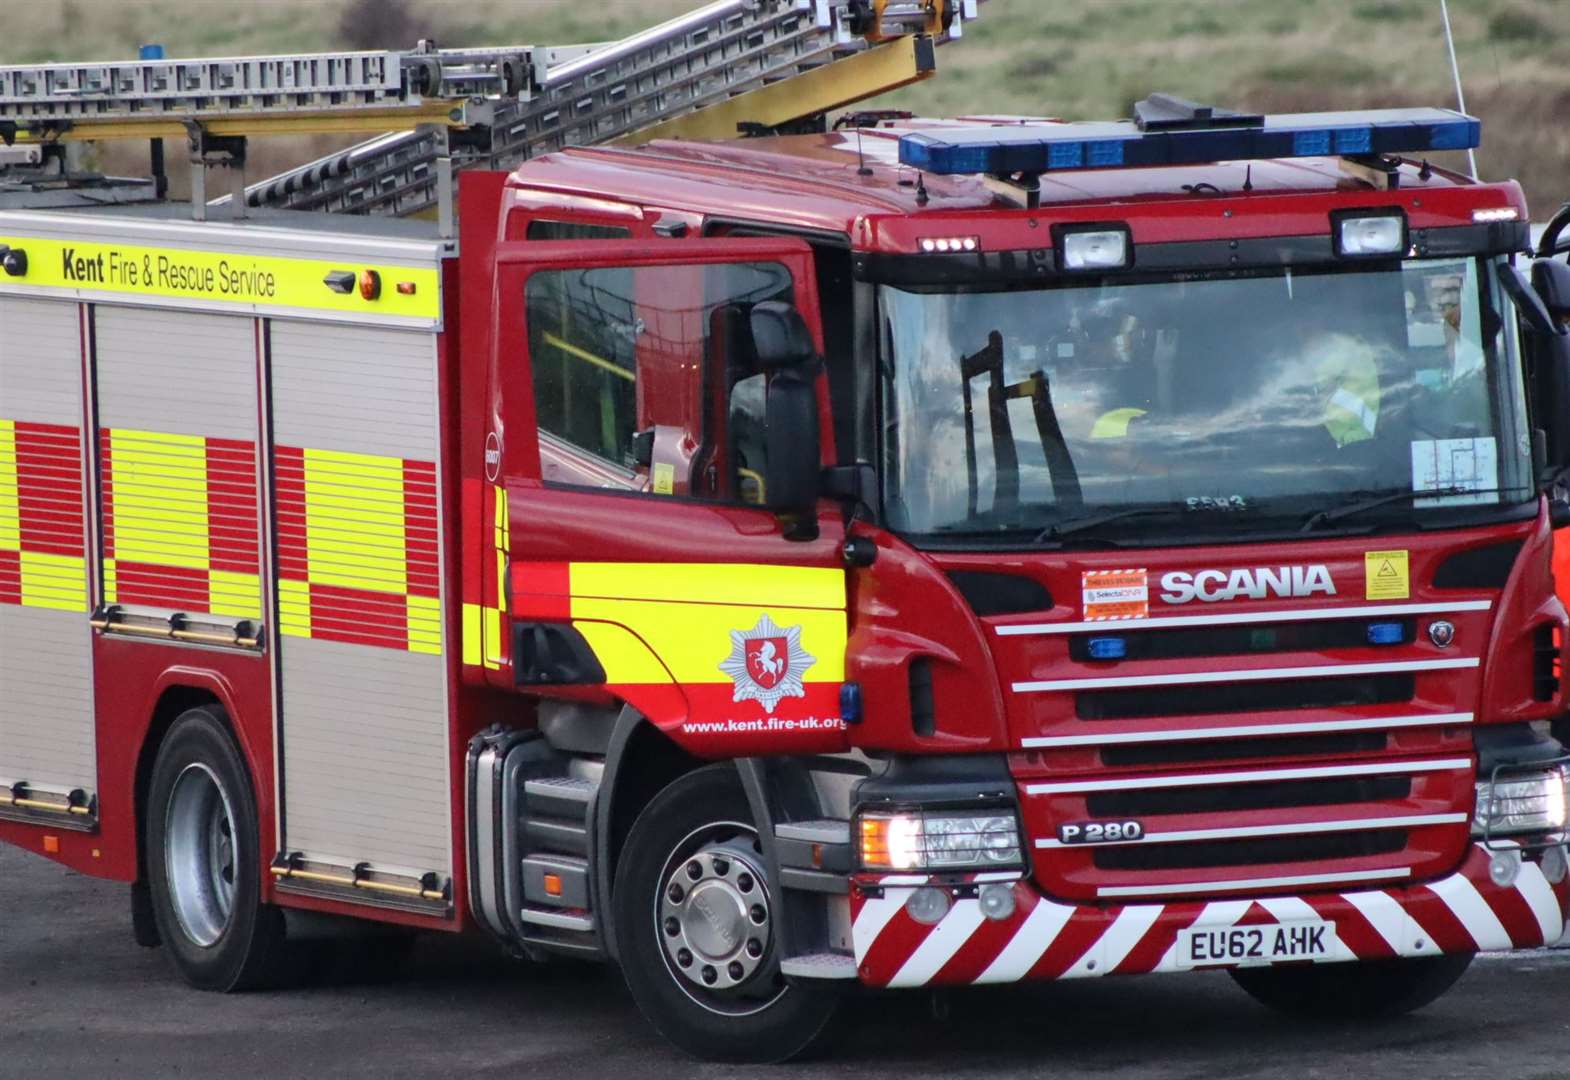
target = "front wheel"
x: 203, y: 863
x: 1373, y: 989
x: 695, y: 921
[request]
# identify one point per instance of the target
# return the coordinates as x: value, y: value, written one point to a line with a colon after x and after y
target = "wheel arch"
x: 640, y: 762
x: 177, y: 691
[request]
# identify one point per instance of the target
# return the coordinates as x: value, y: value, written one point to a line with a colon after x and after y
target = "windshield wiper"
x: 1094, y: 521
x: 1339, y: 513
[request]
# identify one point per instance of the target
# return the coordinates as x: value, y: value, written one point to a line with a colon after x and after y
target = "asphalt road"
x: 79, y: 999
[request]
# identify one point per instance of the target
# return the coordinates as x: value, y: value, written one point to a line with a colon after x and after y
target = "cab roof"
x: 829, y: 182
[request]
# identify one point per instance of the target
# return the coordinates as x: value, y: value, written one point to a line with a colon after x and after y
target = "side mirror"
x: 1552, y: 282
x: 780, y: 338
x: 1533, y: 311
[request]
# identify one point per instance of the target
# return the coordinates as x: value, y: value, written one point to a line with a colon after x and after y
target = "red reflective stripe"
x: 10, y: 577
x: 419, y: 529
x: 49, y: 488
x: 231, y: 506
x: 161, y: 586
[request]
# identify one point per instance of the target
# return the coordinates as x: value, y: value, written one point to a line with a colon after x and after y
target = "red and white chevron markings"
x: 1043, y: 939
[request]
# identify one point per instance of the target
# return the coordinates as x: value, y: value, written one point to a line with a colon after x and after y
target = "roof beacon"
x: 1169, y: 131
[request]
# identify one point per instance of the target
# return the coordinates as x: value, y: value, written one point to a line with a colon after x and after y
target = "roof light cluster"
x: 949, y: 244
x: 1124, y: 144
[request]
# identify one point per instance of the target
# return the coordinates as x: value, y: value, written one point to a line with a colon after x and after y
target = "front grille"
x: 1253, y: 851
x: 1313, y: 636
x: 1282, y: 695
x: 1231, y: 798
x: 1181, y: 753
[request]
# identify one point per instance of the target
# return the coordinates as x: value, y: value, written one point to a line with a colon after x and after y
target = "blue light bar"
x: 1063, y: 147
x: 1107, y: 648
x: 1386, y: 633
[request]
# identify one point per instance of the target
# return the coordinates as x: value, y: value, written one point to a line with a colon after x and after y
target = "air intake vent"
x: 1292, y: 694
x: 1546, y: 672
x: 1478, y: 568
x: 1268, y: 849
x: 1235, y: 640
x: 1000, y: 594
x: 923, y: 710
x: 1234, y: 798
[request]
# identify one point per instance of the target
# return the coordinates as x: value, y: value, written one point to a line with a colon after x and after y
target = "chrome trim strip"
x: 1253, y: 883
x: 1313, y: 727
x: 1170, y: 621
x: 1298, y: 829
x: 1195, y: 678
x: 1255, y: 776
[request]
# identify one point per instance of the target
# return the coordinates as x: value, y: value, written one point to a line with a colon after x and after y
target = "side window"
x: 644, y: 378
x: 540, y: 229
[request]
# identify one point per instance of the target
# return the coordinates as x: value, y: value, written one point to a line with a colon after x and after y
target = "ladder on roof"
x: 762, y: 62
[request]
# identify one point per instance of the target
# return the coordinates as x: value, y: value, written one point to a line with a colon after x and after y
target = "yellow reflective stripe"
x: 294, y: 608
x: 624, y: 658
x: 693, y: 639
x: 493, y: 638
x: 713, y: 583
x: 54, y: 581
x: 111, y: 581
x: 473, y: 645
x: 10, y: 490
x: 425, y: 624
x: 160, y: 498
x: 218, y: 277
x: 354, y: 521
x: 236, y: 595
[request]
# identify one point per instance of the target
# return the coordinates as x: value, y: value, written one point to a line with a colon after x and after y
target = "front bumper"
x: 1044, y: 939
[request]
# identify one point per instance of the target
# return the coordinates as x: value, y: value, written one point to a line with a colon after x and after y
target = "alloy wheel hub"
x: 715, y: 917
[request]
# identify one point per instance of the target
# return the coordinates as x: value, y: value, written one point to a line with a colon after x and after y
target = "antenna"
x: 1455, y: 68
x: 861, y: 158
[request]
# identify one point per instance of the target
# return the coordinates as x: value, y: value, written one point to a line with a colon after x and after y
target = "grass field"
x: 1069, y: 58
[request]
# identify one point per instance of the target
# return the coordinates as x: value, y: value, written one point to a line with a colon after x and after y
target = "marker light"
x: 1367, y: 236
x: 370, y: 285
x: 1107, y: 648
x: 1041, y: 148
x: 1532, y: 803
x: 340, y: 281
x: 936, y: 840
x: 13, y: 261
x: 1386, y: 633
x: 1093, y: 249
x: 949, y: 244
x: 1503, y: 213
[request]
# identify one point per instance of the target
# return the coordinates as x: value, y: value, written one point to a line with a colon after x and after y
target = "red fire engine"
x: 902, y: 554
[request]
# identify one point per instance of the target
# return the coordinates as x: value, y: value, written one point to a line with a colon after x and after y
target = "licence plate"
x: 1273, y: 943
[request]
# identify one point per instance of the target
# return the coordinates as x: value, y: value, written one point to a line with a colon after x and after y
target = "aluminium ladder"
x: 765, y: 62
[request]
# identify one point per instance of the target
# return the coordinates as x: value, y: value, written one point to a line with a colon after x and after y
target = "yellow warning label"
x: 1387, y: 575
x: 222, y: 277
x: 664, y: 479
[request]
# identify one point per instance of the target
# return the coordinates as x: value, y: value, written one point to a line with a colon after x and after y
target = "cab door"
x: 633, y: 557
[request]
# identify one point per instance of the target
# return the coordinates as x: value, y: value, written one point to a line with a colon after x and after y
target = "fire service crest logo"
x: 767, y: 663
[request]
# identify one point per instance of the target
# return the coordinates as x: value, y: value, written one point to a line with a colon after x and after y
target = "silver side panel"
x: 46, y: 680
x: 175, y: 371
x: 367, y: 390
x: 46, y: 699
x: 365, y: 756
x: 40, y: 361
x: 363, y: 709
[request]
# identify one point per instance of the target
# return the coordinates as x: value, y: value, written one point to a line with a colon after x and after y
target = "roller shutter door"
x: 46, y: 682
x: 363, y: 675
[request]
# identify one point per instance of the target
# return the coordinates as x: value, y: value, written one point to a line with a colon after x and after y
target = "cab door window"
x: 643, y: 378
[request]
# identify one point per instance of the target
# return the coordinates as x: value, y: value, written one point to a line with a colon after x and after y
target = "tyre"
x: 695, y: 921
x: 1372, y: 989
x: 203, y: 863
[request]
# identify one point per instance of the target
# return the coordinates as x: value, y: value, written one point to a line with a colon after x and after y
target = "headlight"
x: 939, y: 840
x: 1522, y: 804
x: 1103, y: 248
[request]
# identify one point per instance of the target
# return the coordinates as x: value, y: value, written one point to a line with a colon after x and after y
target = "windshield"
x: 1234, y: 397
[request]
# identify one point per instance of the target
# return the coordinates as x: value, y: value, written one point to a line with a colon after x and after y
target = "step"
x: 559, y: 796
x: 820, y: 966
x: 557, y: 920
x: 825, y: 831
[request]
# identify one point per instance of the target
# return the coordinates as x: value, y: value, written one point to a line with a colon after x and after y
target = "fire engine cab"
x: 894, y: 553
